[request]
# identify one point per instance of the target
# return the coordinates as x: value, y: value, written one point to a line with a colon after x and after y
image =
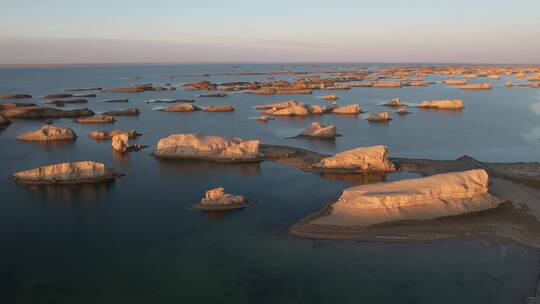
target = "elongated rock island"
x: 66, y: 173
x: 49, y: 133
x: 359, y: 159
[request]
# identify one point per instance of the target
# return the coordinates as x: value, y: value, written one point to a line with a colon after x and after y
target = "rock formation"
x: 387, y: 84
x: 330, y: 97
x: 264, y: 118
x: 49, y: 133
x: 380, y: 116
x: 402, y: 111
x: 108, y: 134
x: 66, y: 173
x: 455, y: 104
x: 476, y: 86
x: 33, y: 111
x: 124, y: 112
x: 120, y: 143
x: 16, y: 96
x: 60, y: 95
x: 316, y: 130
x: 96, y: 119
x: 418, y: 198
x: 509, y: 84
x: 4, y: 122
x: 348, y: 109
x: 215, y: 148
x: 224, y: 108
x: 181, y: 108
x: 63, y: 102
x: 455, y: 81
x: 396, y: 102
x: 360, y: 159
x: 217, y: 199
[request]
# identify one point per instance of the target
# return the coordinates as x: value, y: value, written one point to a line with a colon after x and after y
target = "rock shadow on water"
x: 196, y: 167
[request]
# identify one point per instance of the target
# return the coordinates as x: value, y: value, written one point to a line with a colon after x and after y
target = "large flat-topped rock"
x: 66, y: 173
x: 214, y: 148
x: 455, y: 104
x: 317, y: 130
x: 49, y: 133
x: 363, y: 159
x: 419, y: 198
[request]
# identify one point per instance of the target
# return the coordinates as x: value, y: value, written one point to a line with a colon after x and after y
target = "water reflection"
x: 216, y: 216
x: 66, y: 195
x: 357, y: 178
x: 51, y: 146
x: 196, y: 167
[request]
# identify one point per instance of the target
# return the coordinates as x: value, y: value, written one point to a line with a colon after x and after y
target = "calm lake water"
x: 137, y: 240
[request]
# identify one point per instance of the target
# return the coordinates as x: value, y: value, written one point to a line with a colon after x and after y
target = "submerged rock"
x: 66, y: 173
x: 213, y: 148
x: 108, y: 134
x: 316, y: 130
x: 264, y: 118
x: 380, y: 116
x: 181, y: 108
x: 96, y: 119
x: 83, y: 89
x: 455, y: 104
x: 217, y: 199
x: 49, y: 133
x: 224, y: 108
x: 60, y: 95
x: 33, y: 111
x: 418, y: 198
x: 124, y: 112
x: 362, y: 159
x: 476, y: 86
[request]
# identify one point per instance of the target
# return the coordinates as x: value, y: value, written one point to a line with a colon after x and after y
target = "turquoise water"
x: 136, y: 240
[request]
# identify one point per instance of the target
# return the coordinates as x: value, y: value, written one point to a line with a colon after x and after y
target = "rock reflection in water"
x: 66, y: 195
x: 195, y: 167
x: 357, y: 178
x: 216, y: 216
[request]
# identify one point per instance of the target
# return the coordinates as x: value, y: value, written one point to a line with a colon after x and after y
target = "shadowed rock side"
x: 37, y: 112
x: 123, y: 112
x: 4, y: 122
x: 317, y: 130
x: 417, y: 198
x: 360, y: 159
x: 214, y: 148
x: 181, y: 108
x: 108, y: 134
x: 455, y: 104
x: 396, y: 102
x: 63, y: 102
x: 16, y: 96
x: 66, y: 173
x: 379, y: 117
x: 217, y: 199
x: 49, y: 133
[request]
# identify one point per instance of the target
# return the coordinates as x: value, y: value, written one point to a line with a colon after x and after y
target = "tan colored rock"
x: 509, y: 84
x: 181, y: 108
x: 455, y: 104
x: 32, y: 112
x: 120, y: 142
x: 224, y: 108
x: 317, y: 130
x: 396, y: 102
x: 214, y: 148
x: 470, y: 76
x: 217, y: 199
x: 108, y: 134
x: 330, y: 97
x: 316, y: 109
x: 476, y: 86
x: 494, y: 77
x: 387, y: 84
x: 380, y: 116
x: 98, y: 119
x: 124, y: 112
x: 16, y: 96
x: 348, y: 109
x: 411, y: 199
x: 535, y: 77
x: 455, y: 81
x: 362, y: 159
x: 278, y: 106
x: 294, y: 110
x: 402, y: 111
x: 49, y: 133
x: 66, y: 173
x: 521, y: 75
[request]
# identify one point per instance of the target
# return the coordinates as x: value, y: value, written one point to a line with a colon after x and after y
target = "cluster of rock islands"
x: 435, y: 195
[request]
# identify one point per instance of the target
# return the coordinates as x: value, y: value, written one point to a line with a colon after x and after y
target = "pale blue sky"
x: 62, y: 31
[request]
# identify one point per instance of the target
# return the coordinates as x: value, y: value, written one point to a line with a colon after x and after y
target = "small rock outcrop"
x: 330, y: 97
x: 36, y: 112
x: 224, y: 108
x: 63, y: 102
x: 66, y: 173
x: 402, y: 111
x: 217, y: 199
x: 181, y: 108
x: 124, y: 112
x: 214, y: 95
x: 49, y: 133
x: 352, y: 109
x: 455, y: 104
x: 418, y: 198
x: 380, y: 116
x: 120, y: 143
x: 455, y: 81
x: 264, y: 118
x: 396, y: 102
x: 360, y: 159
x: 98, y: 119
x: 317, y: 130
x: 16, y: 96
x: 476, y: 86
x: 215, y: 148
x: 108, y: 134
x: 509, y: 84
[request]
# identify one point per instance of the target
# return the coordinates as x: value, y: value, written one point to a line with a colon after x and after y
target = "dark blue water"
x: 136, y: 240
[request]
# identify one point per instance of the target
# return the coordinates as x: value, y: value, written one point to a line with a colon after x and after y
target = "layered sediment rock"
x: 476, y: 86
x: 66, y: 173
x: 124, y: 112
x: 33, y: 111
x: 216, y: 199
x: 380, y: 116
x: 348, y: 109
x: 419, y: 198
x: 455, y: 81
x: 213, y: 148
x: 317, y: 130
x: 396, y: 102
x: 362, y: 159
x: 181, y: 108
x: 387, y: 84
x: 96, y: 119
x: 224, y: 108
x: 455, y: 104
x: 62, y: 102
x: 49, y: 133
x: 108, y: 134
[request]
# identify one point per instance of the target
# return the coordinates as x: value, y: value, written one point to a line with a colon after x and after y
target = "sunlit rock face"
x: 419, y: 198
x: 73, y: 172
x: 224, y: 108
x: 476, y: 86
x: 218, y: 197
x: 98, y: 119
x: 120, y: 142
x: 455, y: 104
x: 49, y: 133
x: 396, y: 102
x: 181, y: 108
x: 455, y: 81
x: 279, y: 105
x: 380, y: 116
x: 293, y: 110
x: 363, y: 158
x: 316, y: 130
x: 207, y: 147
x: 348, y: 109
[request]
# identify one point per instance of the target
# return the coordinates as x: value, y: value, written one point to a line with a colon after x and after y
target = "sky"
x: 167, y: 31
